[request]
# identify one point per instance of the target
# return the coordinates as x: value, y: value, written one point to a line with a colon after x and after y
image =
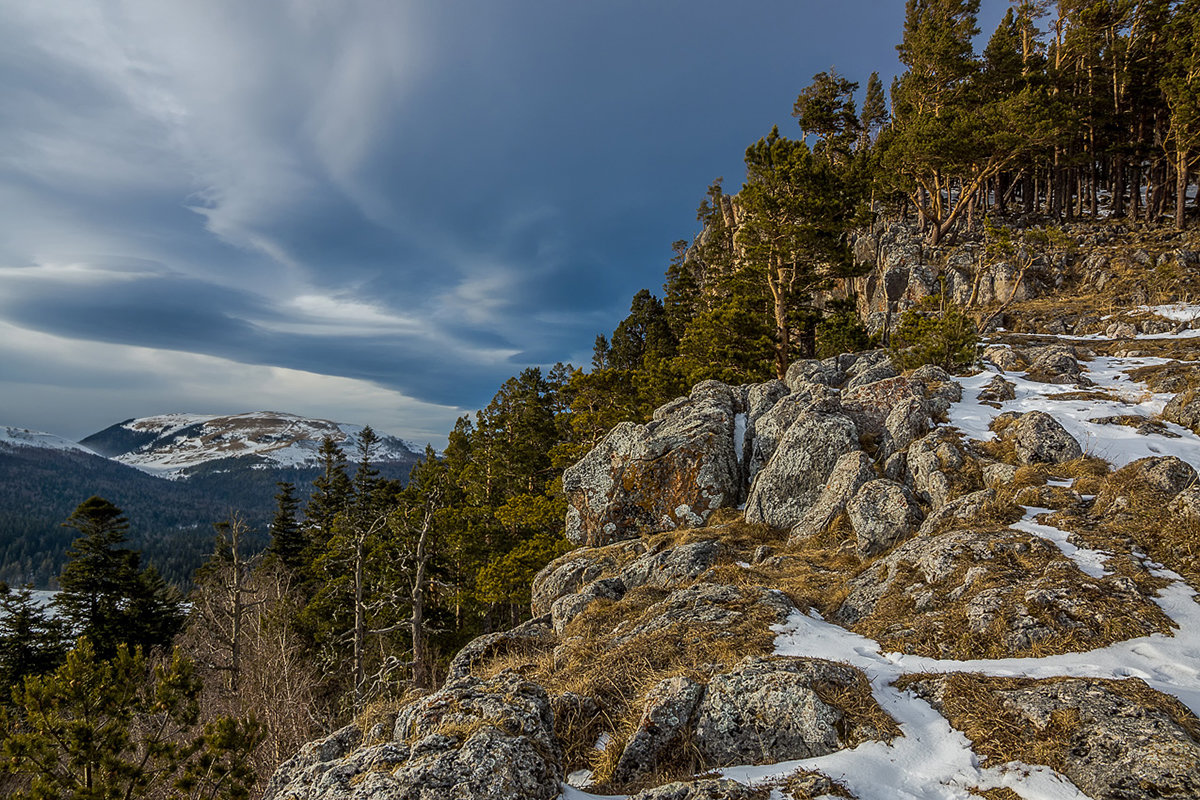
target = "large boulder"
x: 670, y: 473
x: 768, y: 710
x: 535, y: 633
x: 791, y: 481
x: 851, y: 472
x: 671, y: 567
x: 937, y: 465
x: 869, y: 405
x: 1056, y: 364
x: 1184, y: 409
x: 882, y: 513
x: 576, y: 569
x: 768, y: 428
x: 1041, y: 439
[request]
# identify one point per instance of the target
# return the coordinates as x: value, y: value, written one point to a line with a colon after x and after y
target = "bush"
x: 946, y: 339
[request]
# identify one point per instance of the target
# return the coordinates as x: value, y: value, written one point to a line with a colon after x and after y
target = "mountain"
x: 189, y: 445
x: 174, y: 475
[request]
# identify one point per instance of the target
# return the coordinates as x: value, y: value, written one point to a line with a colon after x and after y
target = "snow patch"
x: 24, y: 437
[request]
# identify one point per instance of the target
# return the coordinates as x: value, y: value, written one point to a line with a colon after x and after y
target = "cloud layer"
x: 413, y: 199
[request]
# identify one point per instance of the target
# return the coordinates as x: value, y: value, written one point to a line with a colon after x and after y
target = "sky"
x: 372, y: 211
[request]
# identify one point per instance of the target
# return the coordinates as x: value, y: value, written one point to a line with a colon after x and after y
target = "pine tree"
x: 874, y: 114
x: 1181, y: 91
x: 825, y: 109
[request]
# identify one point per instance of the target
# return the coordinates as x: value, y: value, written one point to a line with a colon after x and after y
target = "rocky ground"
x: 858, y: 582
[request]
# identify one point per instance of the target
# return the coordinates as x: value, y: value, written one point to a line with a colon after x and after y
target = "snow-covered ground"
x: 23, y: 437
x: 933, y: 761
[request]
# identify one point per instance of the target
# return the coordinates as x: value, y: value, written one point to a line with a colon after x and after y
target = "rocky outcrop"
x: 882, y: 513
x: 1184, y: 409
x: 849, y: 474
x: 671, y: 472
x: 668, y: 717
x: 483, y: 740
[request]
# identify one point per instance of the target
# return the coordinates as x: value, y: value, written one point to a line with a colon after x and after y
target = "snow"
x: 186, y: 441
x: 1176, y: 312
x: 23, y: 437
x: 931, y: 760
x: 739, y: 435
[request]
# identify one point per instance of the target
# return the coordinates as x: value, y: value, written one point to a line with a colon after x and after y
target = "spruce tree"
x: 105, y: 595
x: 288, y: 541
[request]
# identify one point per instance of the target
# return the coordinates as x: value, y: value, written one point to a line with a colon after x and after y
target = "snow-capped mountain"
x: 24, y: 437
x: 177, y: 445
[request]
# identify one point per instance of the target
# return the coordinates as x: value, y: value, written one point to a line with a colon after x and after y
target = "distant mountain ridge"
x: 180, y: 445
x: 173, y: 474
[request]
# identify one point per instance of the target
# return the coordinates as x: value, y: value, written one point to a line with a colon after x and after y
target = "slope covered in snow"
x: 23, y: 437
x: 172, y: 445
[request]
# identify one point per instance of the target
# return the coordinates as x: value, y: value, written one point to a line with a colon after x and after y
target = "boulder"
x: 997, y: 391
x: 671, y: 567
x: 961, y: 510
x: 768, y: 710
x: 879, y: 371
x: 1184, y: 409
x: 770, y: 427
x: 1058, y: 365
x: 882, y: 513
x: 567, y: 607
x: 869, y: 405
x: 826, y: 373
x: 669, y: 473
x: 791, y: 481
x: 570, y: 572
x: 668, y: 716
x: 1040, y: 439
x: 851, y: 472
x: 1187, y: 504
x: 1164, y: 475
x: 535, y: 633
x: 474, y: 740
x: 934, y: 464
x: 711, y: 606
x: 1006, y: 358
x: 909, y: 421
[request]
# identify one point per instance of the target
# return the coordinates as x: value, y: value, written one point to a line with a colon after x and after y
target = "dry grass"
x: 1085, y: 395
x: 1128, y: 515
x: 974, y: 704
x: 1173, y: 376
x: 809, y: 785
x: 864, y: 719
x: 934, y: 620
x: 1002, y: 793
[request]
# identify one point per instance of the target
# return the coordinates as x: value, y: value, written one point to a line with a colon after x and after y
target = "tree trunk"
x: 782, y: 338
x: 420, y: 656
x: 1181, y: 184
x: 360, y: 620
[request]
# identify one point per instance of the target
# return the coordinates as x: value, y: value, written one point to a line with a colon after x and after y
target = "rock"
x: 1040, y: 439
x: 820, y: 372
x: 882, y: 370
x: 998, y: 475
x: 669, y: 473
x: 882, y: 513
x: 869, y: 405
x: 568, y: 573
x: 566, y: 608
x: 964, y: 509
x: 1124, y: 742
x: 476, y: 740
x: 667, y: 720
x: 909, y: 421
x: 932, y: 463
x: 1006, y: 358
x: 770, y: 427
x: 1164, y: 475
x: 849, y: 474
x: 997, y: 391
x: 711, y: 606
x: 671, y: 567
x: 535, y: 633
x: 791, y: 481
x: 768, y: 710
x: 1184, y: 409
x: 708, y: 789
x: 1187, y: 504
x: 1056, y: 364
x: 299, y: 775
x: 760, y: 399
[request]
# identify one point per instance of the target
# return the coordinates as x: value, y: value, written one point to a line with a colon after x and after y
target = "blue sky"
x: 373, y: 211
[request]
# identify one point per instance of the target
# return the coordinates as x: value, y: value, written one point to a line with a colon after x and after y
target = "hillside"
x: 862, y: 581
x: 174, y: 476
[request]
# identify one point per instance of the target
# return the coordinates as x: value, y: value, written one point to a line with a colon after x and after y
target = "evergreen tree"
x: 105, y: 595
x: 289, y: 543
x: 874, y: 114
x: 825, y: 109
x: 98, y: 729
x: 1181, y: 91
x: 31, y: 641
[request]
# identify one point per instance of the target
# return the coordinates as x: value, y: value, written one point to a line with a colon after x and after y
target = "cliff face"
x: 858, y: 582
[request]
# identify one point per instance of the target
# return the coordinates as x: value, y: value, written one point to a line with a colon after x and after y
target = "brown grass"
x: 1002, y: 793
x: 974, y: 704
x: 943, y: 629
x: 809, y: 785
x: 1085, y: 395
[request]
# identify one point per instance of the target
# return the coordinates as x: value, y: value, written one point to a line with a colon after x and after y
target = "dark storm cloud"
x: 429, y: 196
